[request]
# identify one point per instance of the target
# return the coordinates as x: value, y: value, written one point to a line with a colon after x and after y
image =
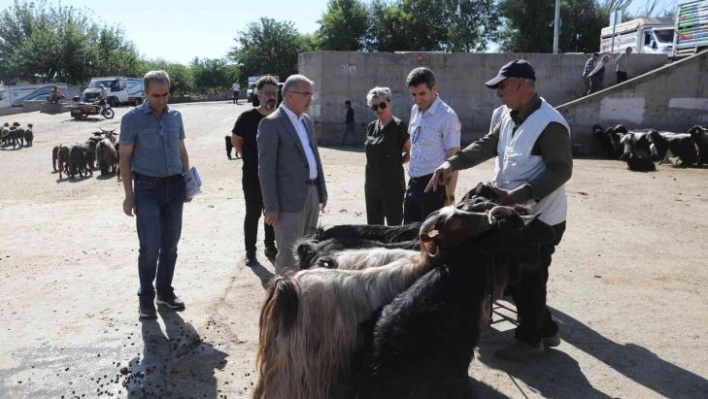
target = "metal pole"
x: 556, y: 27
x: 614, y: 25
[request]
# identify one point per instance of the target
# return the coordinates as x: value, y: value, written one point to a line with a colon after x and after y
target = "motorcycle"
x: 82, y: 110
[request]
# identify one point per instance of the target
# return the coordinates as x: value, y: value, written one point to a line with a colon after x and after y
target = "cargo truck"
x: 691, y: 28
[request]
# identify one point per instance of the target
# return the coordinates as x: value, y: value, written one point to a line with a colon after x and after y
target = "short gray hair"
x: 156, y: 77
x: 378, y: 92
x: 293, y: 81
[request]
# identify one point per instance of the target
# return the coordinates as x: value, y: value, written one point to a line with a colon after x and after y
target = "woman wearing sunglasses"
x: 387, y: 147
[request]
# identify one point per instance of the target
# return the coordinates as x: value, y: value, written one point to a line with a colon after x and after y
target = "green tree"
x: 40, y: 43
x: 413, y: 25
x: 181, y: 79
x: 582, y: 21
x: 343, y: 26
x: 528, y: 26
x: 212, y: 75
x: 268, y: 46
x: 472, y: 24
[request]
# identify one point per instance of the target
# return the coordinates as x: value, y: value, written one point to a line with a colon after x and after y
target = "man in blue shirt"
x: 152, y: 160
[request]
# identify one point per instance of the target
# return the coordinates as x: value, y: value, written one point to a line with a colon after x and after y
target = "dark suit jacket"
x: 283, y: 169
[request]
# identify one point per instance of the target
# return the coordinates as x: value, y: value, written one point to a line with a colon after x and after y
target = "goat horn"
x: 498, y: 211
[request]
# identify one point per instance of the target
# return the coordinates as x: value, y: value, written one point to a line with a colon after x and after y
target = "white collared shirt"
x: 432, y: 132
x: 299, y: 125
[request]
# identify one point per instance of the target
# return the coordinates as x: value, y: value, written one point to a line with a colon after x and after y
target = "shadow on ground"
x: 174, y: 363
x: 556, y: 374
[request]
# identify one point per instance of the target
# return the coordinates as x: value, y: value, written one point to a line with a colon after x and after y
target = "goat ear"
x: 528, y: 219
x: 429, y: 236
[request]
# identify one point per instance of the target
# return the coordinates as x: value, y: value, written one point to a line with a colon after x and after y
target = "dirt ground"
x: 626, y: 283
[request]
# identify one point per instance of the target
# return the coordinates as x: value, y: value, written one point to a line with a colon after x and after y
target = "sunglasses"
x: 381, y: 105
x: 416, y: 134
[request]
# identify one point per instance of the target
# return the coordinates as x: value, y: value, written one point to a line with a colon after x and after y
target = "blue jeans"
x: 158, y: 215
x: 417, y: 204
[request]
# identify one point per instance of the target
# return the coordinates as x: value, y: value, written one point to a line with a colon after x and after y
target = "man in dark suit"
x: 290, y: 170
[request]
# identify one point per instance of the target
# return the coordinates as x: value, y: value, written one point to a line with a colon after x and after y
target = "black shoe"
x: 552, y: 341
x: 271, y: 251
x: 147, y: 309
x: 171, y: 301
x: 251, y: 258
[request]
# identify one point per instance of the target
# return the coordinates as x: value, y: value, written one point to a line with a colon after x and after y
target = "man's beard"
x: 270, y: 104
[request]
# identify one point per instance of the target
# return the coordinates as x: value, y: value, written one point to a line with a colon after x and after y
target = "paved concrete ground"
x: 627, y: 282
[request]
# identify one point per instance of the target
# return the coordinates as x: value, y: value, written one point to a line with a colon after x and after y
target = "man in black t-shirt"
x: 244, y: 140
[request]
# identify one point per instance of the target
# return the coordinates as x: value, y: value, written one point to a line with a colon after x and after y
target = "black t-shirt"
x: 246, y: 127
x: 384, y: 147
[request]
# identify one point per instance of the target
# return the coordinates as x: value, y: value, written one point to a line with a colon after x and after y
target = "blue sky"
x: 187, y: 28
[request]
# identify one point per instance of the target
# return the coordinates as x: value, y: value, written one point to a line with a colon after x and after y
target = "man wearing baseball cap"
x: 534, y: 159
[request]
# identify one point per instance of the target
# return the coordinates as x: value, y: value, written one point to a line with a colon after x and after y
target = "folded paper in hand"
x: 192, y: 182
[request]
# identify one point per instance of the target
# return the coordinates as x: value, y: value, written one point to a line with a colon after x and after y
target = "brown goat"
x: 29, y: 135
x: 62, y: 159
x: 106, y: 156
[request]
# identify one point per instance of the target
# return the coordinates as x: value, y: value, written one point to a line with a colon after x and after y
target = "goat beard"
x: 270, y: 104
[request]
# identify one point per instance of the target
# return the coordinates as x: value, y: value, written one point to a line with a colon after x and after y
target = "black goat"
x: 423, y: 341
x: 80, y: 160
x: 700, y: 138
x: 607, y: 150
x: 637, y: 159
x: 381, y: 233
x: 229, y: 147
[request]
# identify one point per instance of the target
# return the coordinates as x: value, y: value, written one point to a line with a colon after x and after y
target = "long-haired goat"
x: 424, y: 340
x: 106, y: 156
x: 310, y: 320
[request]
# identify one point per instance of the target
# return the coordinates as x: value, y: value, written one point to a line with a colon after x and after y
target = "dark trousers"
x: 349, y: 129
x: 254, y: 210
x: 384, y: 199
x: 235, y: 97
x: 596, y: 84
x: 417, y: 204
x: 529, y: 293
x: 621, y: 76
x: 158, y: 216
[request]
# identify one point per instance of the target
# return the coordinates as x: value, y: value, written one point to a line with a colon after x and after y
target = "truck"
x: 643, y: 35
x: 691, y: 28
x: 119, y: 90
x: 251, y: 90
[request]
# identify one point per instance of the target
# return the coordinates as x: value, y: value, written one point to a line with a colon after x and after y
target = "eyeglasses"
x: 270, y: 93
x: 416, y: 133
x: 305, y: 94
x: 382, y: 105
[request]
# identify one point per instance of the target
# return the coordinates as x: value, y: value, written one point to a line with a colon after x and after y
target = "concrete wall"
x: 672, y: 98
x: 341, y: 76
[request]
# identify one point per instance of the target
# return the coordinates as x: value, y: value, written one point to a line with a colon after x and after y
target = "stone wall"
x: 341, y: 76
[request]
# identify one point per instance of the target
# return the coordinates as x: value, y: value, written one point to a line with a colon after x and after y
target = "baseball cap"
x: 514, y: 69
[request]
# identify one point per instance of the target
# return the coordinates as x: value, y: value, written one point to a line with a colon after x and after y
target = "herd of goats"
x: 393, y: 311
x: 16, y: 135
x: 100, y: 151
x: 640, y: 148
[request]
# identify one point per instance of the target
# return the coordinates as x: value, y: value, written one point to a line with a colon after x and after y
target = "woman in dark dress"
x: 388, y: 147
